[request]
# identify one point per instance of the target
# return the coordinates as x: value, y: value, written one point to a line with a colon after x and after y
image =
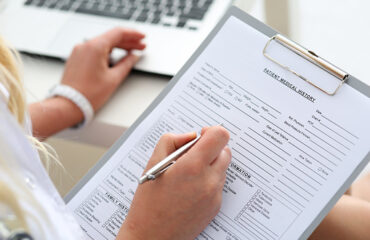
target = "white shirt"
x: 20, y: 156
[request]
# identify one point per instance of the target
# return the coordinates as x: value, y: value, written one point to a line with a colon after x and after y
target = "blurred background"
x: 337, y: 30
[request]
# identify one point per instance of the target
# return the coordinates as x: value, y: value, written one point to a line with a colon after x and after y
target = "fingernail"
x: 227, y: 150
x: 136, y: 58
x: 133, y: 58
x: 204, y: 129
x: 191, y: 134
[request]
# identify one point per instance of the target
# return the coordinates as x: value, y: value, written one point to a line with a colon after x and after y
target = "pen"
x: 163, y: 165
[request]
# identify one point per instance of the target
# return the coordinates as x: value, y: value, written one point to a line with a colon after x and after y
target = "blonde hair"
x: 10, y: 77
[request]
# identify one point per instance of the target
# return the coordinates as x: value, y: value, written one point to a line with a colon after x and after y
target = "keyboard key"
x: 157, y: 12
x: 181, y: 23
x: 194, y: 13
x: 181, y: 6
x: 133, y: 9
x: 88, y: 9
x: 142, y: 17
x: 52, y: 5
x: 120, y: 9
x: 109, y: 8
x: 170, y: 13
x: 156, y: 20
x: 41, y: 3
x: 125, y: 16
x: 28, y: 2
x: 65, y: 6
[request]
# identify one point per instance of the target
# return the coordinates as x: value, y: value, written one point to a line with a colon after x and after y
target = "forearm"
x: 53, y: 115
x: 349, y: 219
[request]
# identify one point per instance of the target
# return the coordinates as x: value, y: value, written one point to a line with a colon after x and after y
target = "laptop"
x: 173, y: 28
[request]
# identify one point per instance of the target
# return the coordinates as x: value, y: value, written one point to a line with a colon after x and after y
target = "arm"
x: 349, y: 219
x: 87, y: 70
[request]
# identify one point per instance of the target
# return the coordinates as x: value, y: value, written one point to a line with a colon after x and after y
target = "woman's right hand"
x: 183, y: 200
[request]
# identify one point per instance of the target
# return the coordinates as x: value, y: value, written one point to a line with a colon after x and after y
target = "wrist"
x: 77, y: 98
x: 133, y: 231
x: 139, y: 230
x: 53, y: 115
x: 127, y: 232
x: 68, y: 109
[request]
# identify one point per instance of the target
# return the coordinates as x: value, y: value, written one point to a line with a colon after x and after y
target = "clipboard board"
x: 343, y: 78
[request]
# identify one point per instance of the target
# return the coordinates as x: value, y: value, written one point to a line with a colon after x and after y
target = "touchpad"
x: 76, y: 31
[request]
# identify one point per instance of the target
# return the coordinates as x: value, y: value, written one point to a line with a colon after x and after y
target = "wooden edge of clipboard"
x: 263, y: 28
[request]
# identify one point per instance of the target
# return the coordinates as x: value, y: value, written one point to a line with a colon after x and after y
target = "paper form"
x: 292, y: 145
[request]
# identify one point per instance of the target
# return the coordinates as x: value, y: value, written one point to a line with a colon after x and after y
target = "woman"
x: 30, y: 207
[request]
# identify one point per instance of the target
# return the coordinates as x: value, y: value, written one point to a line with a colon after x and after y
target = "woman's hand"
x: 87, y: 70
x: 183, y: 200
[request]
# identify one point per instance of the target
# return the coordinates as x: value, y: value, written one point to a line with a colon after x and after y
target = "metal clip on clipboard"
x: 310, y: 56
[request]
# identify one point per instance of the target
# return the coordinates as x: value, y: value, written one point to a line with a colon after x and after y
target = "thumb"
x: 124, y: 66
x: 167, y: 144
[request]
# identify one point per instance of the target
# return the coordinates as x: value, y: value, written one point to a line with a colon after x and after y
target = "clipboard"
x: 343, y: 78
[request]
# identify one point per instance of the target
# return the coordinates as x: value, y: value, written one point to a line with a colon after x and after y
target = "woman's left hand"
x: 88, y: 71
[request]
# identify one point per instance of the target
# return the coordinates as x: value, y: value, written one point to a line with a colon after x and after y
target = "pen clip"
x: 163, y: 170
x: 163, y: 165
x: 149, y: 177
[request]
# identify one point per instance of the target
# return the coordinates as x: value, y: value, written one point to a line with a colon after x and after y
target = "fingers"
x: 168, y: 144
x: 132, y: 45
x: 121, y: 38
x: 123, y: 67
x: 204, y: 129
x: 222, y: 162
x: 171, y: 142
x: 209, y: 145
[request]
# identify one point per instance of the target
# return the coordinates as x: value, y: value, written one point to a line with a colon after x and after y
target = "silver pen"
x: 163, y: 165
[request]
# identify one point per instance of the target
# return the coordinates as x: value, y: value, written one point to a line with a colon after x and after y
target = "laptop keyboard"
x: 170, y: 13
